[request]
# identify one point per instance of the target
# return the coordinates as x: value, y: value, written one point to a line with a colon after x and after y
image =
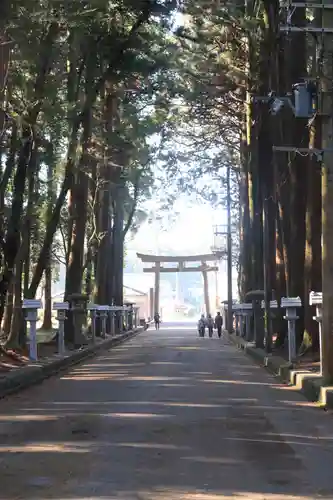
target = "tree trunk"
x: 105, y: 264
x: 312, y: 264
x: 247, y: 202
x: 47, y: 320
x: 327, y: 199
x: 54, y: 222
x: 31, y: 221
x: 80, y: 203
x: 256, y: 209
x: 13, y: 238
x: 17, y: 325
x: 7, y: 319
x: 22, y: 258
x: 297, y: 69
x: 312, y: 270
x: 10, y: 166
x: 89, y: 272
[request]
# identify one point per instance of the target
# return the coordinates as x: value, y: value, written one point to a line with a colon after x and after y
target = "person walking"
x: 202, y: 326
x: 157, y: 321
x: 218, y: 324
x: 210, y: 325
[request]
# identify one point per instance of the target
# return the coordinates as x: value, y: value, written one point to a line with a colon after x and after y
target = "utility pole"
x: 267, y: 280
x: 229, y: 250
x: 327, y: 194
x: 118, y: 242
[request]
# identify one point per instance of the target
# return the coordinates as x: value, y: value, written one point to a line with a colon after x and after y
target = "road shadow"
x: 165, y: 416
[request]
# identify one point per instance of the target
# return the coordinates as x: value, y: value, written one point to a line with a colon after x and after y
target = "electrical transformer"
x: 305, y: 95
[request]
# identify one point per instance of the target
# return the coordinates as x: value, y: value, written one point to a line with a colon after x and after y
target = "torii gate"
x: 157, y: 269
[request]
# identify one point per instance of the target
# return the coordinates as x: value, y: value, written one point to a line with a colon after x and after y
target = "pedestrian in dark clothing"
x: 202, y: 326
x: 218, y: 324
x: 210, y: 325
x: 157, y: 321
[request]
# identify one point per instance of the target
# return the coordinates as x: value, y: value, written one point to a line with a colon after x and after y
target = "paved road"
x: 166, y: 416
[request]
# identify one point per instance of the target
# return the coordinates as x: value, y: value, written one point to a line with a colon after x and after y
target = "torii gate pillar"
x: 206, y: 291
x: 151, y: 303
x: 157, y: 288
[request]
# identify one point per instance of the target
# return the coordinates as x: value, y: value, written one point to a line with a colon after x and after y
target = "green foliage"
x: 66, y: 58
x: 113, y: 92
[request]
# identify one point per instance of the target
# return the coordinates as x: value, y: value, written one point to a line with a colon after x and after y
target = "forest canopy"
x: 104, y: 102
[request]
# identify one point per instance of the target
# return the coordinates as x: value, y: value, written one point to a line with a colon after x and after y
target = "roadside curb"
x: 309, y: 383
x: 35, y: 373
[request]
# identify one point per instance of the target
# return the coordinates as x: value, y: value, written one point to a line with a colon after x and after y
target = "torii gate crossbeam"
x: 157, y: 268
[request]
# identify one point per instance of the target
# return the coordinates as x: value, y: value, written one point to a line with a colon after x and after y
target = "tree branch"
x: 134, y: 204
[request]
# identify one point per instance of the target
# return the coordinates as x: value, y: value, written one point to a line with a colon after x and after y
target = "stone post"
x: 103, y: 314
x: 130, y: 315
x: 136, y: 316
x: 291, y: 304
x: 316, y: 299
x: 121, y: 318
x: 225, y: 314
x: 273, y: 305
x: 93, y: 310
x: 235, y: 310
x: 256, y: 296
x: 31, y: 307
x: 248, y: 312
x: 241, y: 320
x: 113, y: 312
x: 112, y: 322
x: 78, y: 306
x: 117, y: 319
x: 61, y: 308
x: 127, y: 313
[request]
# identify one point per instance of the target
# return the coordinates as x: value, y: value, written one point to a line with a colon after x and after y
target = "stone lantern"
x: 130, y: 314
x: 256, y: 296
x: 78, y: 307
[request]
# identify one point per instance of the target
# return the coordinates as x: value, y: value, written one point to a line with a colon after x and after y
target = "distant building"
x: 139, y: 298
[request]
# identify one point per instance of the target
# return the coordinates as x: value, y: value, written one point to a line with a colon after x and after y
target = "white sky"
x: 191, y: 233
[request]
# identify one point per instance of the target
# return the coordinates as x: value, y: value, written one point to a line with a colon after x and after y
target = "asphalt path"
x: 165, y: 416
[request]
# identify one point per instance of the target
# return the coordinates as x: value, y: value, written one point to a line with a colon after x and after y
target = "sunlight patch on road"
x: 298, y: 405
x: 215, y: 460
x: 157, y: 379
x: 108, y: 365
x: 193, y: 405
x: 45, y: 447
x: 168, y: 494
x: 272, y: 441
x: 178, y: 495
x: 153, y: 446
x: 97, y: 376
x: 136, y: 415
x: 236, y: 382
x: 200, y: 373
x: 299, y: 436
x: 244, y: 400
x: 166, y: 363
x: 27, y: 418
x: 190, y: 348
